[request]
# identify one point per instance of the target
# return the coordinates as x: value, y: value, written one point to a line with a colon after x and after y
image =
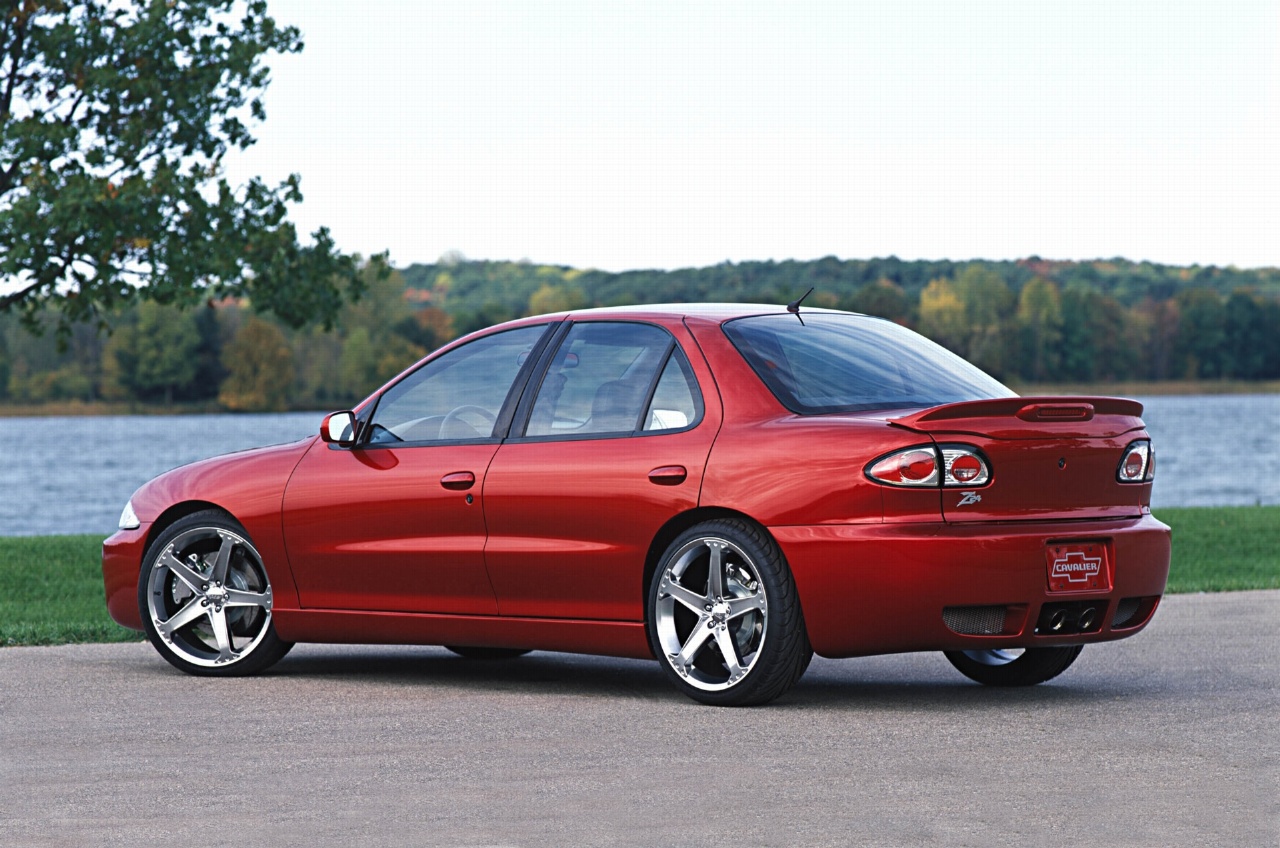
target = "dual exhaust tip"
x: 1082, y: 617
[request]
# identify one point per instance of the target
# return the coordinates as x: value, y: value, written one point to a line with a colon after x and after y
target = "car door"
x: 395, y: 522
x: 611, y: 446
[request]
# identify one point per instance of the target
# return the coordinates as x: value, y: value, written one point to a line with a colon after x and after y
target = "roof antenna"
x: 794, y: 306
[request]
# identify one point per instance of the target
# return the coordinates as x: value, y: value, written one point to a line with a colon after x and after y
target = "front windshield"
x: 853, y: 363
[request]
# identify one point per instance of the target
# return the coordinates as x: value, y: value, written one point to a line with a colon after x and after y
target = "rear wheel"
x: 205, y: 598
x: 724, y: 617
x: 1014, y: 666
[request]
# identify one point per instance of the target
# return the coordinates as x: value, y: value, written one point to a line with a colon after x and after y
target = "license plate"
x: 1078, y: 567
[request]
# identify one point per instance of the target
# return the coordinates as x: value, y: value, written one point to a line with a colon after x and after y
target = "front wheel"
x: 1014, y: 666
x: 724, y: 617
x: 205, y: 599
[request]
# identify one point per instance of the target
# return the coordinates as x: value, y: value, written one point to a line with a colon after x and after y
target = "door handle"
x: 668, y: 475
x: 458, y: 480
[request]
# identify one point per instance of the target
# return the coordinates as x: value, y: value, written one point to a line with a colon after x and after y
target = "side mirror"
x: 339, y: 428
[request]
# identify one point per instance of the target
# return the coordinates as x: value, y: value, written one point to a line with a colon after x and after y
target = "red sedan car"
x: 727, y: 488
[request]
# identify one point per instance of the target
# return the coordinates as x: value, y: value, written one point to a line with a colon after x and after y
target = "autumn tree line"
x: 1024, y: 322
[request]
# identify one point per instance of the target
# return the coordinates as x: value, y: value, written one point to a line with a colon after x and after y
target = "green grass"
x: 51, y: 586
x: 1220, y: 549
x: 51, y: 592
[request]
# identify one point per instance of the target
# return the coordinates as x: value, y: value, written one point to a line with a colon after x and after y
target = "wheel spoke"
x: 693, y: 645
x: 684, y: 595
x: 715, y: 571
x: 180, y: 619
x: 184, y: 572
x: 741, y: 606
x: 222, y: 635
x: 240, y: 598
x: 223, y: 560
x: 730, y: 653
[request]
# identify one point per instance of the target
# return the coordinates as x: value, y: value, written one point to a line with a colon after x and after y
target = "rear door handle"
x: 458, y: 480
x: 668, y: 475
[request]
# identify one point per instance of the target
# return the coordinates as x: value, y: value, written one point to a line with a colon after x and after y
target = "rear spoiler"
x: 1030, y: 417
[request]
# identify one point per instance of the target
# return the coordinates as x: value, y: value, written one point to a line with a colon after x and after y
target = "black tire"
x: 1010, y: 668
x: 473, y: 653
x: 205, y: 598
x: 751, y: 609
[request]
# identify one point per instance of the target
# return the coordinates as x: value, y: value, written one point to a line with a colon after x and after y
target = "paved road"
x: 1171, y: 738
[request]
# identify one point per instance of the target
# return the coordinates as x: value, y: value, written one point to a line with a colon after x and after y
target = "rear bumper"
x: 882, y: 588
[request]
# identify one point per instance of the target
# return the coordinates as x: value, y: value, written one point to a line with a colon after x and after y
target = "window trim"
x: 787, y: 399
x: 524, y: 410
x: 506, y: 412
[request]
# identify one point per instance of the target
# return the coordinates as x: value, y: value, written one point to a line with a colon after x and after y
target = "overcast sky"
x: 662, y: 135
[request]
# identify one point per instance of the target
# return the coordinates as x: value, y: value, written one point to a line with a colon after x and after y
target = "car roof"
x: 713, y: 311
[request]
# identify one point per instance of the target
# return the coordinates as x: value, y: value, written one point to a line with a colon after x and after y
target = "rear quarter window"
x: 853, y: 363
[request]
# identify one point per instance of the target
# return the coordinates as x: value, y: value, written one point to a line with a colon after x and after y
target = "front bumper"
x: 121, y: 564
x: 883, y: 588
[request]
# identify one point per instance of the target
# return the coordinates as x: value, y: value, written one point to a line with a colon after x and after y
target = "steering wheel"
x: 454, y: 418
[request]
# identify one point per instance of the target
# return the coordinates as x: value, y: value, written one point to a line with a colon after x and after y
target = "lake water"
x: 73, y: 475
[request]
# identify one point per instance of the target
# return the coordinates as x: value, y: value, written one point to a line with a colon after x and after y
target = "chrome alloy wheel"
x: 711, y: 613
x: 1014, y: 666
x: 208, y: 597
x: 995, y: 656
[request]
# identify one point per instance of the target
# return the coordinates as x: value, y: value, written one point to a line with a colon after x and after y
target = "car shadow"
x: 539, y: 672
x: 852, y: 685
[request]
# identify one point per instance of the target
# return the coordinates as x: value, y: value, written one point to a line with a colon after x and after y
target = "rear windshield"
x: 852, y: 363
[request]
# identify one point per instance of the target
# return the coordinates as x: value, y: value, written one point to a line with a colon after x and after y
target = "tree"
x: 1040, y: 321
x: 942, y: 315
x: 1156, y: 323
x: 554, y: 297
x: 159, y: 356
x: 1201, y: 333
x: 4, y: 368
x: 259, y: 368
x: 884, y: 299
x: 1118, y: 354
x: 1077, y: 358
x: 1245, y: 352
x: 366, y: 364
x: 114, y: 121
x: 988, y: 306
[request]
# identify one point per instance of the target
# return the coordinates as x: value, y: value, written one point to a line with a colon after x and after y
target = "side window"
x: 675, y: 403
x: 456, y: 396
x: 601, y: 380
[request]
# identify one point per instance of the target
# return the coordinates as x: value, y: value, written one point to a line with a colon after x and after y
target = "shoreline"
x: 87, y: 409
x: 1151, y: 388
x: 1122, y: 389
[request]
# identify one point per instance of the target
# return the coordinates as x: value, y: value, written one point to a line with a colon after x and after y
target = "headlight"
x: 129, y: 518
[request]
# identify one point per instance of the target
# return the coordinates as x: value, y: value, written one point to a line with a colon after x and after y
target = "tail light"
x: 965, y: 467
x: 930, y: 466
x: 1138, y: 464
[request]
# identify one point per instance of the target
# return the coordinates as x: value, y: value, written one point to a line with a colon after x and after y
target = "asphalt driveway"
x: 1171, y: 738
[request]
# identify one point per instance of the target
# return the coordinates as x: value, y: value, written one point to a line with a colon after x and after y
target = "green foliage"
x: 260, y: 368
x: 1201, y: 344
x: 553, y: 297
x: 157, y: 355
x: 1249, y: 326
x: 942, y: 316
x: 884, y: 299
x: 114, y: 120
x: 1039, y: 322
x: 1020, y: 328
